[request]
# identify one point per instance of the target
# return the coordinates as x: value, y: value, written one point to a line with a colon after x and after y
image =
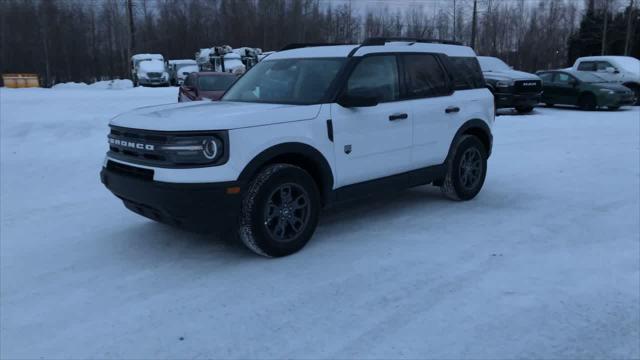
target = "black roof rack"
x: 383, y: 40
x: 304, y: 45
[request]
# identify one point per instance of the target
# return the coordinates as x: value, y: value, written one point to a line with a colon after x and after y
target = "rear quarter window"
x: 467, y: 73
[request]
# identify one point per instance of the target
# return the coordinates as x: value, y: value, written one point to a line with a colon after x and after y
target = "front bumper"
x: 196, y: 207
x: 153, y: 81
x: 511, y: 100
x: 617, y: 100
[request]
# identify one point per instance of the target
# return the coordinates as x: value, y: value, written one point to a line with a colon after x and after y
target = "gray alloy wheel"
x: 287, y: 212
x: 466, y: 169
x: 470, y: 169
x: 280, y: 211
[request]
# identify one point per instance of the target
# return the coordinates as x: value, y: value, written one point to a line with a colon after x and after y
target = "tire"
x: 455, y: 186
x: 266, y: 226
x: 524, y: 109
x: 636, y: 90
x: 587, y: 102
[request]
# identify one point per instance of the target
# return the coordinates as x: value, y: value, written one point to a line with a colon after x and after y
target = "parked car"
x: 583, y: 89
x: 622, y: 69
x: 137, y: 59
x: 303, y: 129
x: 511, y: 88
x: 205, y: 85
x: 152, y: 73
x: 179, y: 69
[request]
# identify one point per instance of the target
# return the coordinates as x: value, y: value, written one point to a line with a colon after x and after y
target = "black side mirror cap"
x: 357, y: 101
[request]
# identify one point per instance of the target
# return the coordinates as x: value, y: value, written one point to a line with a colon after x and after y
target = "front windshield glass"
x: 287, y: 81
x: 492, y: 64
x: 215, y: 82
x: 588, y: 77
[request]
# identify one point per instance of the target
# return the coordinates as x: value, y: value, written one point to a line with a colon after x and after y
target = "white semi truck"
x: 136, y: 72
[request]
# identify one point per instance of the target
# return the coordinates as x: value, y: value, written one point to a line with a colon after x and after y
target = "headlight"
x: 504, y: 83
x: 607, y: 91
x: 142, y: 75
x: 194, y: 150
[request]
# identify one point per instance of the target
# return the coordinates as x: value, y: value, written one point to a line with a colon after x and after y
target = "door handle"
x: 395, y: 117
x: 452, y: 109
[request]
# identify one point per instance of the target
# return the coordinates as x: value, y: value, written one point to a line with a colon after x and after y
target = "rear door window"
x: 424, y: 76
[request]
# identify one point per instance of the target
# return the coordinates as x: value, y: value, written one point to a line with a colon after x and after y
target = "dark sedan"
x: 585, y: 90
x: 205, y: 85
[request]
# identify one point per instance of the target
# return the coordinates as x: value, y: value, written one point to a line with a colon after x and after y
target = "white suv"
x: 303, y: 129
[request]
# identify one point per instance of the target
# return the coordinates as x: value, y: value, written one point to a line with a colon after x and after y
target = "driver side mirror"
x: 612, y: 70
x: 573, y: 82
x: 351, y: 101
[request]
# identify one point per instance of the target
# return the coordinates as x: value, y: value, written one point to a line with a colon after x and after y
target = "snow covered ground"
x: 544, y: 263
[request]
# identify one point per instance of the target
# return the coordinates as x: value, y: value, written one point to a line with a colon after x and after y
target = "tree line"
x: 89, y: 40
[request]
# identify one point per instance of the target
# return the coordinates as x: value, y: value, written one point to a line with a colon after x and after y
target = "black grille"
x: 528, y: 86
x: 119, y: 168
x: 132, y: 138
x: 154, y: 75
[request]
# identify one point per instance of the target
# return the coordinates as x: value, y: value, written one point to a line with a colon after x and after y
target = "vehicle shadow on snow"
x: 159, y: 241
x: 575, y: 108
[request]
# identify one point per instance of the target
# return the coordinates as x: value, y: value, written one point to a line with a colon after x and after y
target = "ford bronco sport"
x: 305, y: 128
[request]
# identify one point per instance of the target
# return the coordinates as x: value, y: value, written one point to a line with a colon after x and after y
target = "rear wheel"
x: 279, y: 211
x: 524, y: 109
x: 466, y: 169
x: 587, y: 102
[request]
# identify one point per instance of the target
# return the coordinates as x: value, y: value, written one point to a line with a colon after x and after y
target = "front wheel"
x: 587, y: 102
x: 466, y: 169
x: 280, y: 211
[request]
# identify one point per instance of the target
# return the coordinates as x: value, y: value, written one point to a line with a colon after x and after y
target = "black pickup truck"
x: 511, y: 88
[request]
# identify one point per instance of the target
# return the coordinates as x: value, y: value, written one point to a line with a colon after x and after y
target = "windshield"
x: 588, y: 77
x: 215, y: 82
x: 492, y: 64
x: 287, y: 81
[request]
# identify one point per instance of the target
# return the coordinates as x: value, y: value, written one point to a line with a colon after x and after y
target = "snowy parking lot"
x: 544, y: 263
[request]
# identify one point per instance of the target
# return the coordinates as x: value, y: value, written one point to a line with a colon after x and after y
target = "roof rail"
x: 304, y: 45
x: 383, y: 40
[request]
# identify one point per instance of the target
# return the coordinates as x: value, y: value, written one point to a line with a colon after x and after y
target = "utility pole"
x: 630, y: 15
x: 454, y: 20
x: 604, y: 28
x: 132, y: 29
x: 474, y: 23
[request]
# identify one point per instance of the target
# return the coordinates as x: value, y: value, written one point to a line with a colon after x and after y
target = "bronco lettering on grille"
x: 132, y: 145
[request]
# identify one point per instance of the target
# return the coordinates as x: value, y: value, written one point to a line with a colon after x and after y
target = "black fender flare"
x: 477, y: 128
x: 295, y: 153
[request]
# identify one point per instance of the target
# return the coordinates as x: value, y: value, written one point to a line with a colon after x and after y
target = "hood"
x: 509, y: 75
x: 218, y: 115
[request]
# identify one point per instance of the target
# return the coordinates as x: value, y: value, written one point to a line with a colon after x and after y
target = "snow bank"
x: 70, y: 85
x: 113, y: 84
x: 542, y: 264
x: 100, y: 85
